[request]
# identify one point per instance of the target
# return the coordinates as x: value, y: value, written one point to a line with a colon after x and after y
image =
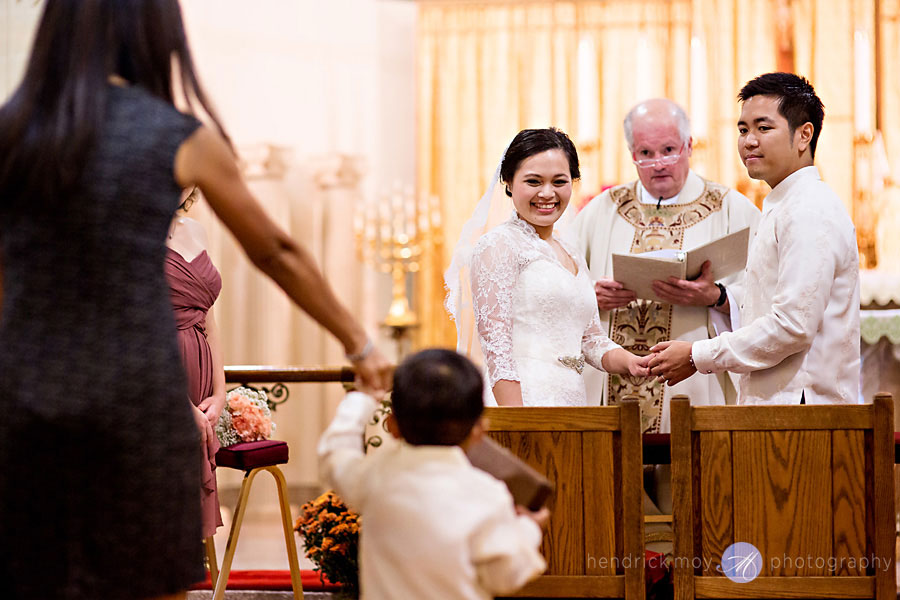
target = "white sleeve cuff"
x: 702, y: 353
x: 723, y: 323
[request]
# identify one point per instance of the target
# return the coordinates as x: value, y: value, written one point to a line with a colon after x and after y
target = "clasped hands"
x: 668, y: 361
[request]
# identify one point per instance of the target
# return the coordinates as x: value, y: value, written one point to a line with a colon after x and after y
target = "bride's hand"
x: 621, y: 361
x: 639, y: 366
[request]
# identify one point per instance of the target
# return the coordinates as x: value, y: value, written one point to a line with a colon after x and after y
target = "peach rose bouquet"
x: 245, y: 418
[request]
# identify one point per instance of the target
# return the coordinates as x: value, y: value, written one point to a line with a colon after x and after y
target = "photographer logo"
x: 741, y: 562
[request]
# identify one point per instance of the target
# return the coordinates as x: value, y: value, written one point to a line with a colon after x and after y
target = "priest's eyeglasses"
x: 664, y: 160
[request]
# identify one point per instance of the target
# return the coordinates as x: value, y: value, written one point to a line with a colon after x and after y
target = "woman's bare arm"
x: 213, y: 405
x: 508, y: 393
x: 204, y: 159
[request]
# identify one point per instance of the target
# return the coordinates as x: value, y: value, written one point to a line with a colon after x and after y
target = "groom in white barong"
x: 799, y: 341
x: 669, y: 206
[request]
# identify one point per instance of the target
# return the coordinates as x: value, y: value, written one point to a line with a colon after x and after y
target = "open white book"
x: 637, y: 272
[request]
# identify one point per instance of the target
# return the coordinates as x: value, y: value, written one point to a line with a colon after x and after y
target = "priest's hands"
x: 671, y: 361
x: 611, y: 294
x: 702, y: 291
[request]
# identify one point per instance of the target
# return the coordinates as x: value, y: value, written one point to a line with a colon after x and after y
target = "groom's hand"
x: 671, y: 361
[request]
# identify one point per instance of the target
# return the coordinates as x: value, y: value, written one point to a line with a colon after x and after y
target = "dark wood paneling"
x: 599, y: 504
x: 682, y: 495
x: 717, y: 511
x: 786, y: 587
x: 558, y: 456
x: 883, y: 498
x: 752, y: 418
x: 782, y: 498
x: 550, y: 586
x: 552, y: 419
x: 632, y: 497
x: 849, y: 501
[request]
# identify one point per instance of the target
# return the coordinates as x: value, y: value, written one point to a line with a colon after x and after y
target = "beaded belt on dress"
x: 576, y: 363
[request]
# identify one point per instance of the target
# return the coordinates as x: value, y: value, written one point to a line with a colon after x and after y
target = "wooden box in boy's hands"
x: 528, y: 487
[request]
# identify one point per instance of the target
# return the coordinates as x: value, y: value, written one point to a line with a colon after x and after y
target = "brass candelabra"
x: 391, y: 235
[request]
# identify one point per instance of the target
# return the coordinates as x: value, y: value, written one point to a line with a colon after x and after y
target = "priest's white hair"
x: 676, y: 112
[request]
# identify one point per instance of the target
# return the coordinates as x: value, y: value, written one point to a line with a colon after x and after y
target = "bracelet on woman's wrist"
x: 362, y: 354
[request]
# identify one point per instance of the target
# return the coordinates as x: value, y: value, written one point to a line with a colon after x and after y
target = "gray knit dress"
x: 99, y: 456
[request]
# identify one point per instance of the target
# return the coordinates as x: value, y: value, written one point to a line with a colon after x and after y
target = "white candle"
x: 424, y: 224
x: 862, y: 99
x: 371, y: 216
x: 384, y: 221
x: 699, y: 104
x: 643, y: 84
x: 588, y: 92
x: 409, y: 209
x: 435, y: 212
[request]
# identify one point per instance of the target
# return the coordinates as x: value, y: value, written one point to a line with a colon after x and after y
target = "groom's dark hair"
x: 437, y: 397
x: 529, y: 142
x: 797, y: 101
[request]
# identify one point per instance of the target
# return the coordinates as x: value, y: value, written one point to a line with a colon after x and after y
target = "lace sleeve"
x: 595, y: 343
x: 494, y: 272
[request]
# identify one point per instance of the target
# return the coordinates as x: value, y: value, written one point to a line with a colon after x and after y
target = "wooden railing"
x: 278, y: 392
x: 656, y: 446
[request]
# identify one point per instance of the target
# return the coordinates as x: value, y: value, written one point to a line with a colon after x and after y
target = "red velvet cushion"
x: 251, y: 455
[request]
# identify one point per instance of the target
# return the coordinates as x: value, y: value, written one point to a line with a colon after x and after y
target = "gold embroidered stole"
x: 644, y: 323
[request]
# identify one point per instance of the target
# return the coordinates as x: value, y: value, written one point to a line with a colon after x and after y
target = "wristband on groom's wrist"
x: 723, y: 296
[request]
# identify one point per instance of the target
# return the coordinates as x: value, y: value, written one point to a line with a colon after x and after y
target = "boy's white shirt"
x: 433, y: 526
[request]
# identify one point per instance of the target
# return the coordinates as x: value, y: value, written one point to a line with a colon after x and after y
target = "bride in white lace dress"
x: 534, y: 303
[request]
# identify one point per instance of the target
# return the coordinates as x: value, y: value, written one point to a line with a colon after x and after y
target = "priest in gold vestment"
x: 668, y: 207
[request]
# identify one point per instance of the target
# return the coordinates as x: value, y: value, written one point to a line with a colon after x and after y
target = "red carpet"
x: 270, y: 580
x: 281, y: 580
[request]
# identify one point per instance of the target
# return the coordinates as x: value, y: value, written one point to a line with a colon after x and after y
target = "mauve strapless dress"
x: 194, y: 286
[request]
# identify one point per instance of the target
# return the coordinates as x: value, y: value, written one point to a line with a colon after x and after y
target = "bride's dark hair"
x: 529, y: 142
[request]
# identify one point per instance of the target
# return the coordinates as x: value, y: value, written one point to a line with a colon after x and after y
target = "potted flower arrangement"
x: 330, y: 533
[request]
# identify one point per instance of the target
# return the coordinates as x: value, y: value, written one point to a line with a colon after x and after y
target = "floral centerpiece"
x: 245, y: 418
x: 330, y: 532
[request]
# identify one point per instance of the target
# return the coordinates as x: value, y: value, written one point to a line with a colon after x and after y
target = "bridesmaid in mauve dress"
x: 194, y: 285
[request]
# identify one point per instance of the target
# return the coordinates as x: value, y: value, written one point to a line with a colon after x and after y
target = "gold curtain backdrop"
x: 488, y: 69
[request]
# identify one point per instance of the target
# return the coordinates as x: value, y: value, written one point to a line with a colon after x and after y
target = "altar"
x: 879, y: 324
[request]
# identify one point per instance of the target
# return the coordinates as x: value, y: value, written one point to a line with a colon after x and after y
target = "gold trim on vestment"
x: 644, y: 323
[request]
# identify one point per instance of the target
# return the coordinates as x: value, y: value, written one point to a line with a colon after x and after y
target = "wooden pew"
x: 809, y: 486
x: 594, y: 541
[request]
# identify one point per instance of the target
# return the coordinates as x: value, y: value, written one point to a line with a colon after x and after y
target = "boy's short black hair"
x: 437, y: 397
x: 797, y: 101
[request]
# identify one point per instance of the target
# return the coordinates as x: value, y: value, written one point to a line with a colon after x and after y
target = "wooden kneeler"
x: 592, y: 455
x: 809, y: 487
x: 252, y: 458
